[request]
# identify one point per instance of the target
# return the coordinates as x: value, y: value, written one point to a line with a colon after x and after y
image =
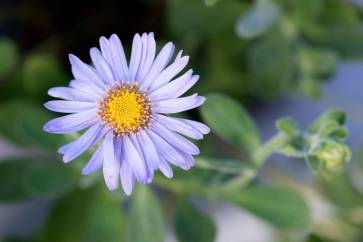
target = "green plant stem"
x: 259, y: 158
x: 180, y: 186
x: 268, y: 148
x: 246, y: 176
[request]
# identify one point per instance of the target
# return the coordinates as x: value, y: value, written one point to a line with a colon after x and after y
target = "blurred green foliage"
x: 267, y: 45
x: 238, y: 128
x: 146, y: 221
x: 201, y: 229
x: 41, y: 72
x: 22, y: 121
x: 89, y: 215
x: 27, y: 179
x: 9, y: 57
x: 244, y: 51
x: 283, y: 208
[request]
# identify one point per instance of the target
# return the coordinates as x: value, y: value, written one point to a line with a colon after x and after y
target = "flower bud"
x: 332, y: 154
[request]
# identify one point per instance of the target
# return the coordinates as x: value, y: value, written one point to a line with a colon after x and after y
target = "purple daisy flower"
x: 122, y: 108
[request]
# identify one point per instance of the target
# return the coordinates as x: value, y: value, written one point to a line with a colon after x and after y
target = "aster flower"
x: 123, y: 109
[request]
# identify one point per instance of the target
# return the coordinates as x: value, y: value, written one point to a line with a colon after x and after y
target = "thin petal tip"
x: 47, y: 127
x: 111, y: 183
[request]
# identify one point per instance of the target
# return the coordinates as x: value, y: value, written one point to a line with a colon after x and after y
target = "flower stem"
x: 242, y: 180
x: 268, y: 148
x: 259, y: 158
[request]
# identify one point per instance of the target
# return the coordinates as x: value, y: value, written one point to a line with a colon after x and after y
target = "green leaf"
x: 228, y: 119
x: 313, y: 164
x: 146, y: 222
x: 210, y: 3
x: 333, y: 115
x: 294, y: 147
x: 310, y: 87
x: 222, y: 165
x: 9, y: 57
x: 280, y: 206
x: 333, y: 130
x: 287, y: 126
x: 339, y: 189
x: 318, y: 62
x: 192, y: 225
x: 262, y: 15
x: 86, y: 216
x: 334, y: 24
x: 340, y: 134
x: 192, y: 18
x: 41, y: 72
x: 304, y: 13
x: 27, y: 179
x: 22, y: 122
x: 270, y: 63
x: 327, y: 128
x: 225, y: 64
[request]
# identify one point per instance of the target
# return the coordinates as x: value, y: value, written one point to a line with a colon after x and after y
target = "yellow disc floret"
x: 125, y: 109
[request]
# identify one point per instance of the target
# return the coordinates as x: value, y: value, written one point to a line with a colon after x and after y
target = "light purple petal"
x: 178, y: 104
x: 134, y: 159
x: 135, y: 57
x: 111, y: 165
x: 161, y: 60
x: 204, y: 129
x: 118, y: 148
x: 71, y: 123
x: 102, y: 67
x: 105, y: 50
x: 82, y: 71
x: 176, y: 88
x: 70, y: 94
x: 190, y: 161
x: 166, y: 150
x: 148, y: 149
x: 119, y: 62
x: 69, y: 106
x: 175, y: 139
x: 179, y: 55
x: 150, y: 55
x: 95, y: 163
x: 127, y: 178
x: 165, y: 168
x: 144, y: 43
x: 74, y: 149
x: 87, y: 87
x: 179, y: 126
x: 150, y: 171
x: 169, y: 73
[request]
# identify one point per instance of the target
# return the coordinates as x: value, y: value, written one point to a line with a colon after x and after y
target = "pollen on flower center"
x: 125, y: 109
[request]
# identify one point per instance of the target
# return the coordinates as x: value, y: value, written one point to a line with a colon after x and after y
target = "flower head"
x: 122, y: 109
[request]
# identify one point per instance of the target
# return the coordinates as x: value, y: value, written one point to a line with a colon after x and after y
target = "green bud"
x: 332, y: 155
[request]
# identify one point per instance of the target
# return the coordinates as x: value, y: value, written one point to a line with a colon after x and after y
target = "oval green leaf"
x: 86, y: 216
x: 27, y: 179
x: 192, y: 225
x: 279, y: 206
x: 262, y: 15
x: 22, y: 122
x: 229, y: 120
x: 146, y: 222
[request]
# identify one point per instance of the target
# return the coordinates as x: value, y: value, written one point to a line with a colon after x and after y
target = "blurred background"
x: 276, y: 58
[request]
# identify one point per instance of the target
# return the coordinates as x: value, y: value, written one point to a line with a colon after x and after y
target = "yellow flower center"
x: 125, y: 109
